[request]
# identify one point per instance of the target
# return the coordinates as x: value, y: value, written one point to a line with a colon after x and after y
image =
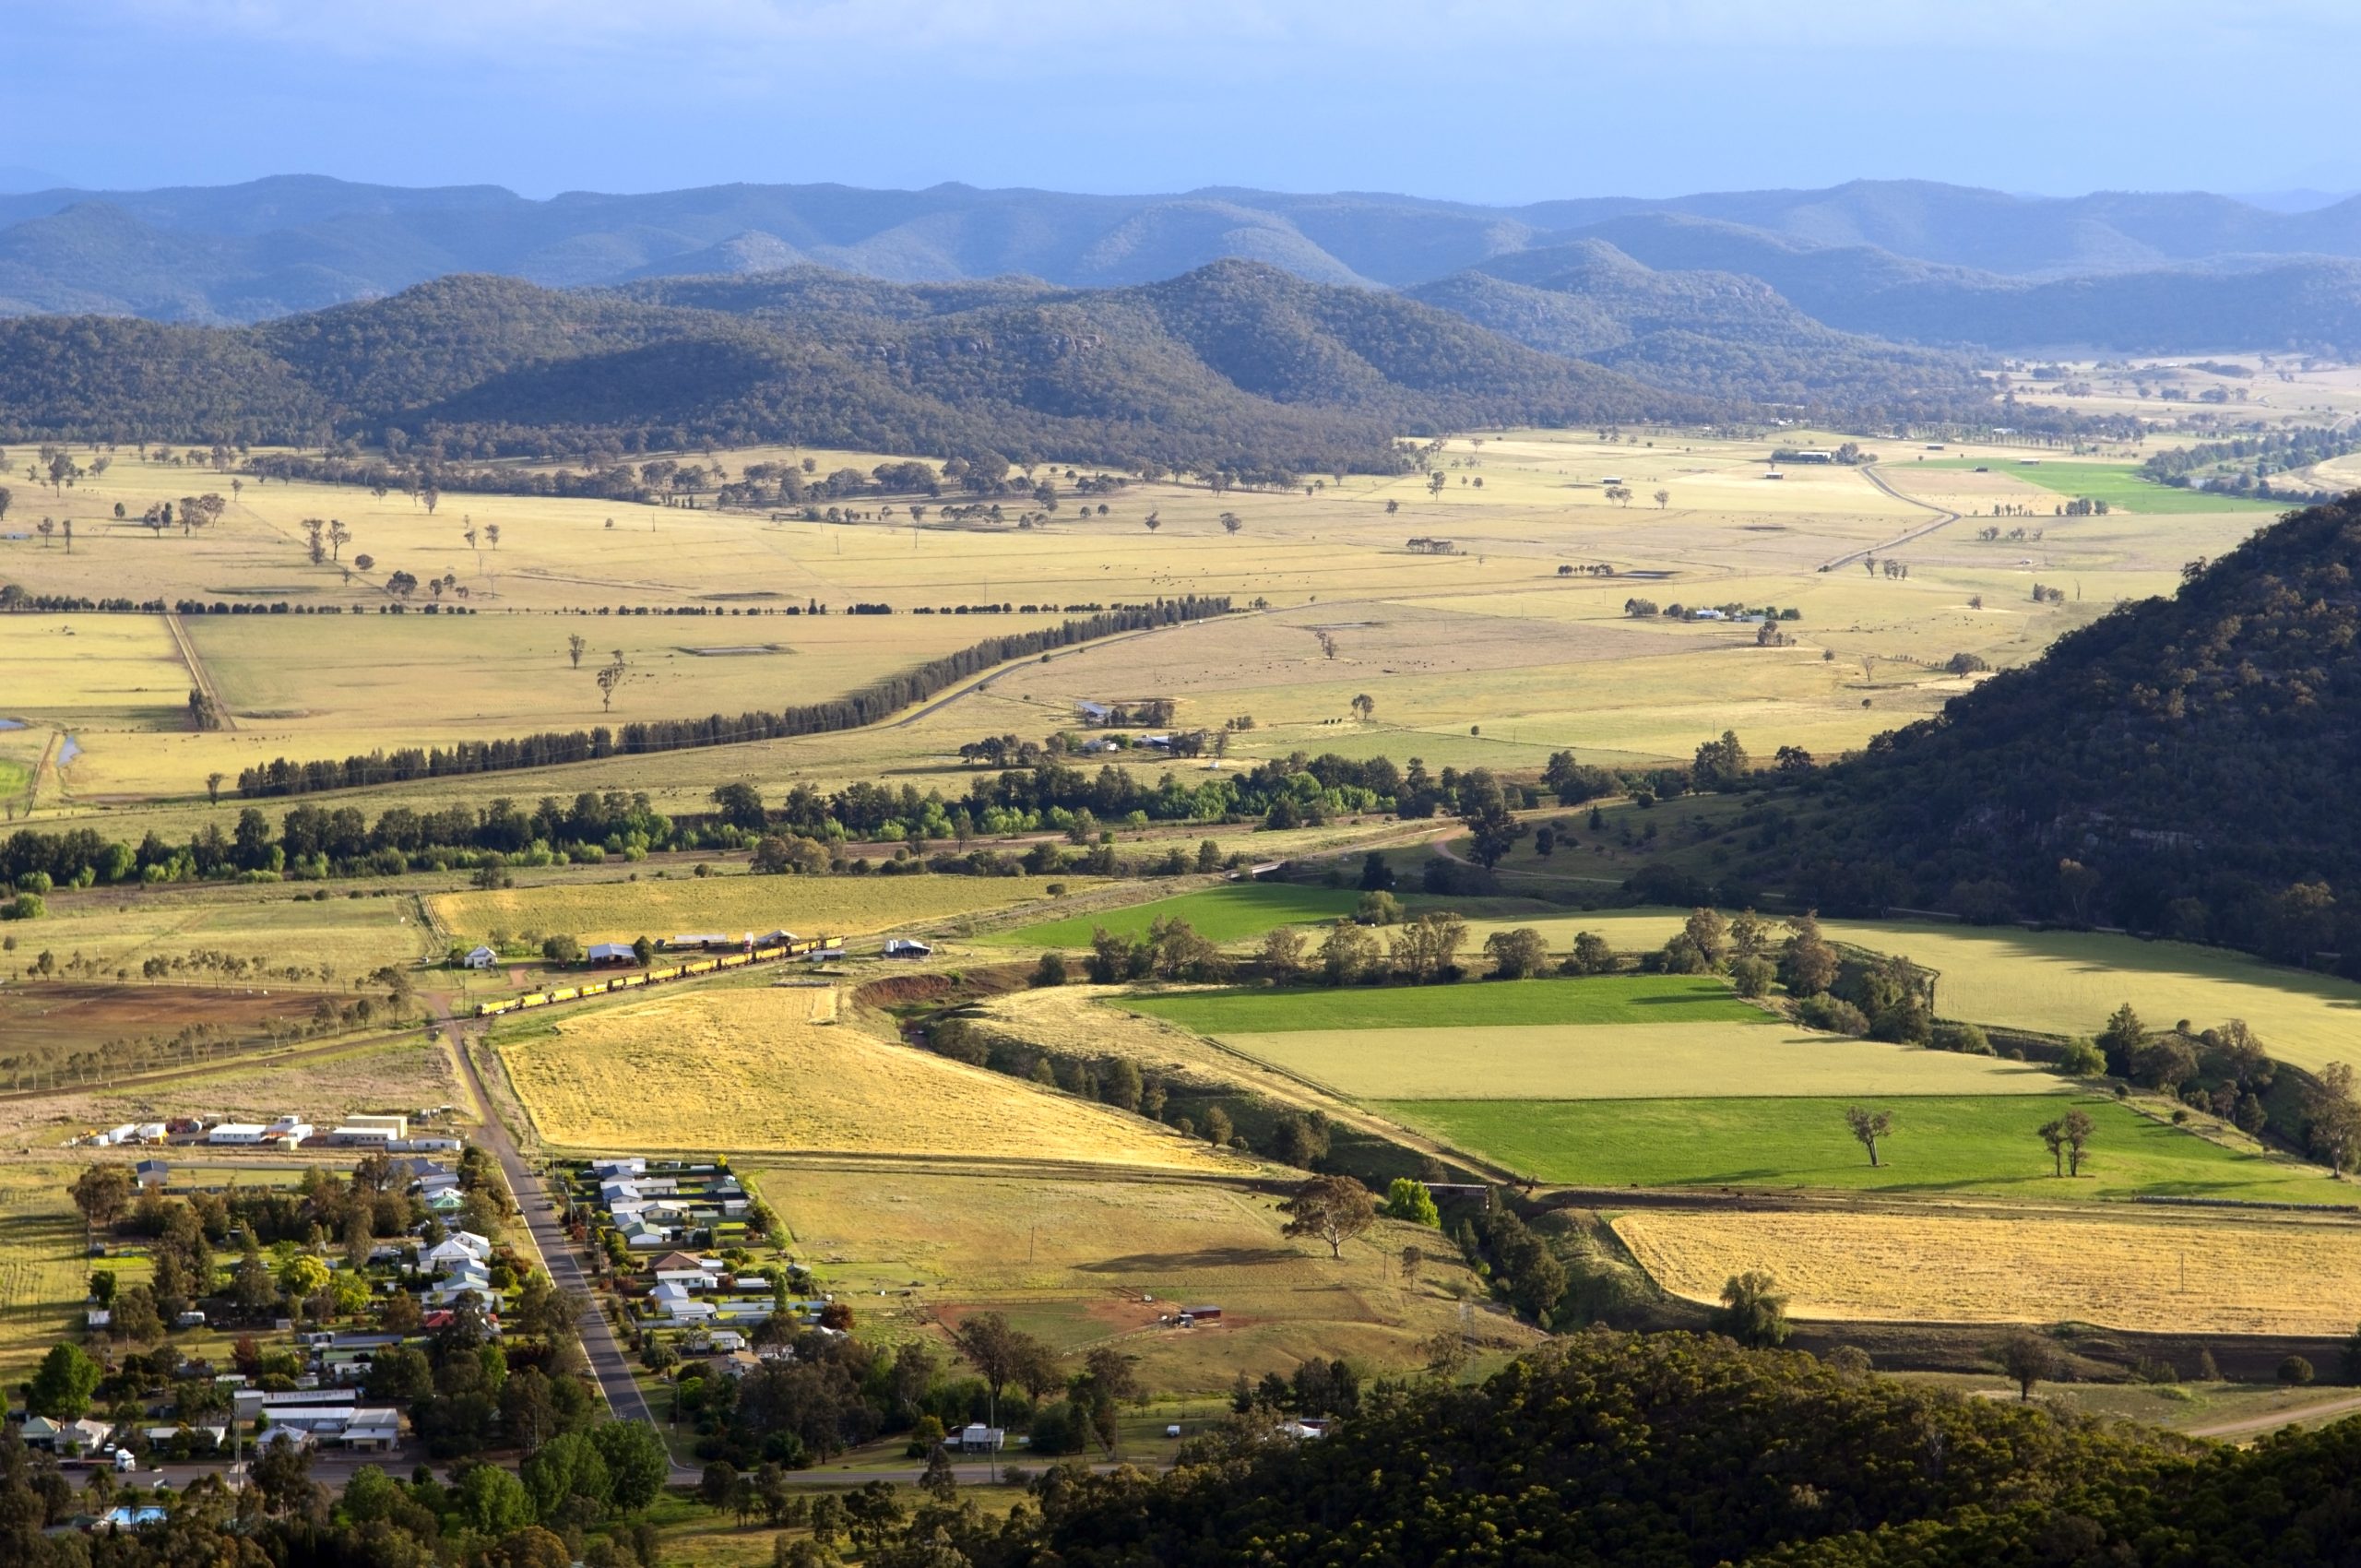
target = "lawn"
x: 2118, y: 484
x: 2242, y: 1274
x: 1608, y: 999
x: 1939, y: 1144
x: 1627, y: 1061
x: 1232, y: 912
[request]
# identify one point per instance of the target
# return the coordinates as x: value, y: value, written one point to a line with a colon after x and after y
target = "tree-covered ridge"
x: 1672, y: 1450
x: 1236, y: 366
x: 2183, y: 766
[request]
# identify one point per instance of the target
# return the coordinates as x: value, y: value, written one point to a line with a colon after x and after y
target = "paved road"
x: 609, y: 1362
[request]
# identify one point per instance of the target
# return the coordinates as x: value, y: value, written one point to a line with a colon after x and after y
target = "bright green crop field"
x: 1232, y: 912
x: 1966, y: 1144
x: 1604, y: 999
x: 2118, y: 484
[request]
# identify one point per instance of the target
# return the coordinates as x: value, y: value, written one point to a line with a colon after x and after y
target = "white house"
x: 675, y: 1303
x: 458, y: 1247
x: 605, y: 1167
x: 640, y: 1234
x: 480, y: 958
x: 236, y: 1133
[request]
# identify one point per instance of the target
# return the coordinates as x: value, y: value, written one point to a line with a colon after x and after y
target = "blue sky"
x: 1480, y: 99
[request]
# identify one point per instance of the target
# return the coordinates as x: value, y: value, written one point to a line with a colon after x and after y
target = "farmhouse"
x: 479, y: 958
x: 151, y: 1174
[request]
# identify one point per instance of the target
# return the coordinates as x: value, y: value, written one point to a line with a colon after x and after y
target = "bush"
x: 23, y: 907
x: 2295, y: 1371
x: 1967, y: 1039
x: 1832, y: 1013
x: 34, y: 882
x: 2082, y: 1058
x: 561, y: 949
x: 1051, y: 970
x: 1752, y: 977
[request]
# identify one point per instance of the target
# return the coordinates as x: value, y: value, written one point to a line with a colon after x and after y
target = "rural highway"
x: 564, y: 1264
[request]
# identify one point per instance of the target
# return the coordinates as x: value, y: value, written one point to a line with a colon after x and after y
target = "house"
x: 674, y: 1302
x: 690, y: 1273
x: 906, y: 947
x: 605, y: 1167
x: 977, y: 1438
x: 151, y: 1174
x: 351, y: 1136
x: 98, y: 1317
x: 640, y: 1234
x: 373, y: 1427
x: 448, y: 1201
x: 458, y: 1247
x: 84, y: 1436
x: 419, y: 1170
x: 728, y: 1340
x: 479, y: 958
x: 604, y: 954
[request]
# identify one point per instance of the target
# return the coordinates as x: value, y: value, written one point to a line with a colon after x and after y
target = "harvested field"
x: 811, y: 905
x: 42, y: 1268
x: 111, y: 929
x: 42, y: 1022
x: 749, y: 1071
x: 1628, y: 1061
x: 2242, y: 1274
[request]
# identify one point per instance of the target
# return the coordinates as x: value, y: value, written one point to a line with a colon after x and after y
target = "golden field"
x: 2244, y: 1273
x: 749, y: 1071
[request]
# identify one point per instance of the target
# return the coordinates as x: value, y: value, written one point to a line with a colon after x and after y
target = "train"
x: 798, y: 948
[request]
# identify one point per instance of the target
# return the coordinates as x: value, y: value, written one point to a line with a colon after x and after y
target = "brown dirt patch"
x: 76, y: 1017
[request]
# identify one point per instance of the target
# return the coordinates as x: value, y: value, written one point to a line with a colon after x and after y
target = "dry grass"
x: 2241, y: 1274
x: 751, y: 1071
x: 1071, y: 1260
x: 1627, y: 1061
x: 832, y: 906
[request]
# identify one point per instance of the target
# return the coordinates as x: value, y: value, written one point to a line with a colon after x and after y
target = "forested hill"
x: 1236, y: 365
x: 2183, y: 766
x: 1671, y: 1450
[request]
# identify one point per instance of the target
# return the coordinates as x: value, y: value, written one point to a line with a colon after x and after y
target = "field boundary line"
x: 196, y: 670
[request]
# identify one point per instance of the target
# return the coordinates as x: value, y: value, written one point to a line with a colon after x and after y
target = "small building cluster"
x: 390, y: 1133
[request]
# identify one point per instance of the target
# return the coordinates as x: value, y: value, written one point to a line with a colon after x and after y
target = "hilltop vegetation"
x: 1674, y: 1450
x: 2178, y: 767
x: 1237, y: 367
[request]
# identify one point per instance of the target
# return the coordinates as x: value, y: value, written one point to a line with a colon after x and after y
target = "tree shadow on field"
x: 1203, y: 1257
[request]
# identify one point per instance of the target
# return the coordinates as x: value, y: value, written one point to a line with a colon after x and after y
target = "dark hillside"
x: 2183, y: 766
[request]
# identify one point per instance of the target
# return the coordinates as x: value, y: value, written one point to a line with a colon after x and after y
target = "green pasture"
x: 1471, y: 1005
x: 1232, y: 912
x: 1985, y: 1144
x: 2118, y: 484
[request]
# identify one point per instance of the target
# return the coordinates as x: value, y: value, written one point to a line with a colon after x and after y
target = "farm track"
x: 196, y: 670
x: 1943, y: 520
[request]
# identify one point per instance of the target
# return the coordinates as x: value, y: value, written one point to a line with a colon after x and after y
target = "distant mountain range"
x: 1235, y: 366
x: 1930, y: 264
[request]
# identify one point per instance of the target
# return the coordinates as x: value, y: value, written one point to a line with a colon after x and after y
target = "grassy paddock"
x: 2173, y: 1274
x: 1939, y: 1144
x: 1232, y: 912
x: 1627, y: 1061
x: 2118, y: 484
x: 1608, y: 999
x: 618, y: 910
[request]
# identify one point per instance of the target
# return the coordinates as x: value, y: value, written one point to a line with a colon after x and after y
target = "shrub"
x: 23, y: 907
x: 2295, y: 1371
x: 1751, y: 977
x: 1832, y: 1013
x: 2082, y: 1058
x: 1967, y: 1039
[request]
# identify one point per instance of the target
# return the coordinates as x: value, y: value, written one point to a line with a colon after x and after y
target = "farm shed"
x: 479, y: 958
x: 905, y: 948
x: 601, y: 955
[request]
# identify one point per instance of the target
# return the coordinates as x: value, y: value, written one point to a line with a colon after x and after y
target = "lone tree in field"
x: 1664, y: 498
x: 492, y: 534
x: 2028, y: 1359
x: 103, y: 1194
x: 1334, y: 1209
x: 1869, y: 1126
x: 1754, y: 1313
x: 2335, y: 1117
x: 576, y: 645
x: 213, y: 788
x: 2066, y: 1137
x: 1231, y: 522
x: 1364, y: 707
x: 611, y: 676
